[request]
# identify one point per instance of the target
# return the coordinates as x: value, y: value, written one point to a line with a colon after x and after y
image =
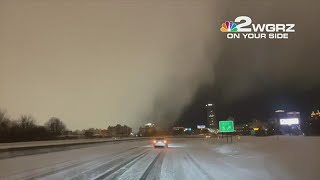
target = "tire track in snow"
x: 123, y: 164
x: 198, y: 166
x: 73, y: 165
x: 154, y: 169
x: 97, y: 169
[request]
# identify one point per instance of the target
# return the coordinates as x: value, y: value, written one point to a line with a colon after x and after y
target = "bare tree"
x: 2, y: 114
x: 4, y: 121
x: 55, y: 125
x: 89, y: 133
x: 4, y: 124
x: 26, y: 122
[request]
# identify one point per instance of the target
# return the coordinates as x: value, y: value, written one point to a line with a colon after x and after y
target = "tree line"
x: 25, y: 128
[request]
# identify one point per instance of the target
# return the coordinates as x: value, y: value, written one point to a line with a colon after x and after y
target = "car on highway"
x: 160, y: 142
x: 208, y: 136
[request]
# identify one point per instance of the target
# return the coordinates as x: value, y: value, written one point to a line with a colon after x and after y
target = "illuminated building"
x: 211, y: 116
x: 286, y: 122
x: 275, y: 120
x: 293, y: 115
x: 315, y: 115
x: 291, y: 123
x: 149, y: 129
x: 119, y: 131
x: 280, y: 114
x: 312, y: 125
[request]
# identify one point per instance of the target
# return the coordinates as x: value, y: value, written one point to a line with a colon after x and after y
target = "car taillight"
x: 154, y: 141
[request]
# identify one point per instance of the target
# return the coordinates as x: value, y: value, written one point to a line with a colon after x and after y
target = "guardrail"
x: 9, y: 152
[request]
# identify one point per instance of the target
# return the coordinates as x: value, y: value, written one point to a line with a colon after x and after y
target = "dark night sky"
x: 255, y: 77
x: 246, y: 90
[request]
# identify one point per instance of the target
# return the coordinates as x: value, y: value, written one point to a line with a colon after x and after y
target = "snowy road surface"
x: 186, y: 158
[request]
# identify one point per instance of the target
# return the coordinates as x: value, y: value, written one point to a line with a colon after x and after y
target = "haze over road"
x: 186, y: 158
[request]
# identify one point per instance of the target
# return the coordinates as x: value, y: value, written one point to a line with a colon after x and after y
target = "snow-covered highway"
x: 186, y: 158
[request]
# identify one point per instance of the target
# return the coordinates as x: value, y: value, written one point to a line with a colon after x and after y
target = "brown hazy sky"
x: 97, y: 63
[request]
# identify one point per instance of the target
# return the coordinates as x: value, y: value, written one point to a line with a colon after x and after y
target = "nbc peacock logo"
x: 229, y: 26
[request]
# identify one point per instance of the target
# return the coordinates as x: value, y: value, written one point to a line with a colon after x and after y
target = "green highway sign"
x: 226, y: 126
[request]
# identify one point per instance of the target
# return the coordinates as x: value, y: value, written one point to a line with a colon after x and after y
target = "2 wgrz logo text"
x: 246, y: 30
